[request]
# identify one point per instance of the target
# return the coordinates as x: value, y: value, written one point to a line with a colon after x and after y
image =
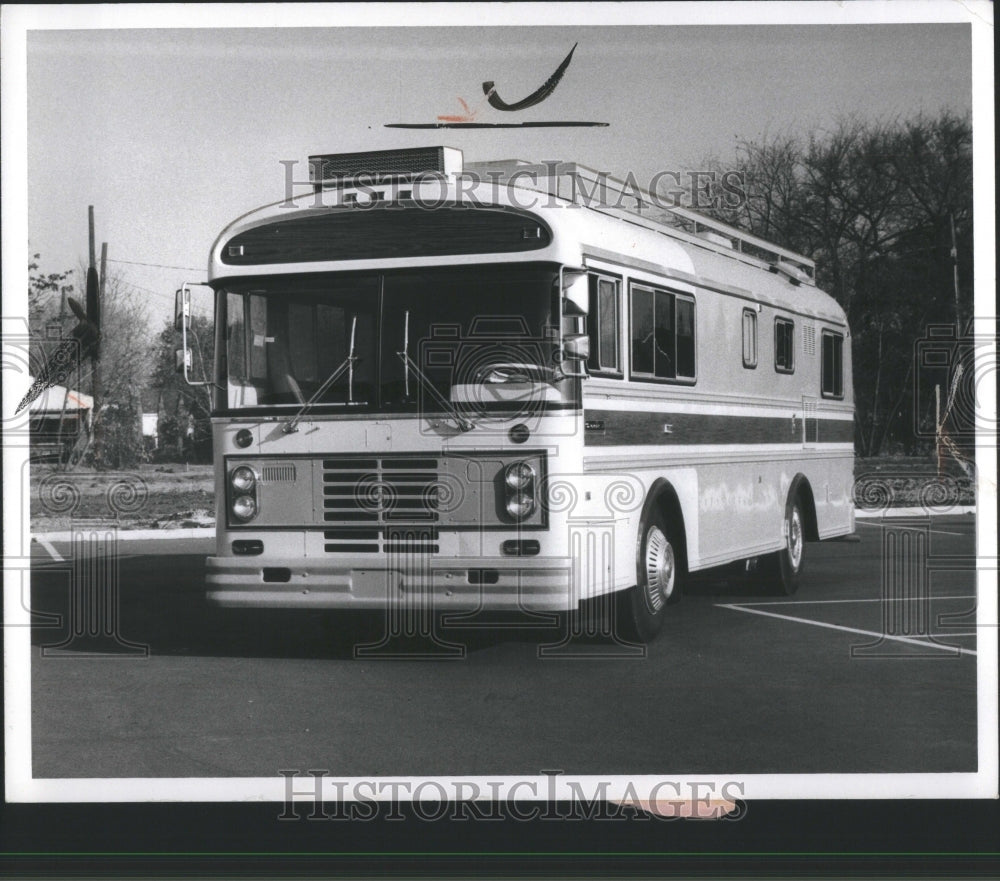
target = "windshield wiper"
x: 348, y: 365
x: 463, y: 423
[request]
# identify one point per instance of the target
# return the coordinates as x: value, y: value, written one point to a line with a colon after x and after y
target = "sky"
x: 170, y: 134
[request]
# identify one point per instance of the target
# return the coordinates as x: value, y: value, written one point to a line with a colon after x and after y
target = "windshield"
x: 479, y: 336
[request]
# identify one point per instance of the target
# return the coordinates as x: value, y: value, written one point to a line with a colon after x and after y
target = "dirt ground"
x: 179, y: 496
x: 148, y: 497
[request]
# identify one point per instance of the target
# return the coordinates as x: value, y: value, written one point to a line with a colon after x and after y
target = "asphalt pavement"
x: 868, y: 668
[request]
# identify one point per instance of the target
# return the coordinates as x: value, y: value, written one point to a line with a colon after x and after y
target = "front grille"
x: 394, y: 540
x: 380, y: 490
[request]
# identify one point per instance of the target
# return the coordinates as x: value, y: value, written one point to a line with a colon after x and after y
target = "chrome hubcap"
x: 795, y: 539
x: 660, y: 572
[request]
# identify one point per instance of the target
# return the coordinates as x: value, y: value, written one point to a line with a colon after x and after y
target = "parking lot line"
x: 910, y: 640
x: 896, y: 526
x: 860, y: 600
x: 45, y: 543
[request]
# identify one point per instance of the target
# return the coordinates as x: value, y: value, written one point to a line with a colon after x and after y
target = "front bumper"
x: 536, y: 584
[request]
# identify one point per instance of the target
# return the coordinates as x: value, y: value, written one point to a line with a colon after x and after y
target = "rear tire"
x: 642, y: 609
x: 782, y: 570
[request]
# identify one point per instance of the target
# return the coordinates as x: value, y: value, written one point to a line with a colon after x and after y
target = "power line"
x: 137, y: 287
x: 156, y: 265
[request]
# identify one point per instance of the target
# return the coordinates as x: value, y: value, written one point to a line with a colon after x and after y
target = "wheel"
x: 783, y: 569
x: 642, y: 609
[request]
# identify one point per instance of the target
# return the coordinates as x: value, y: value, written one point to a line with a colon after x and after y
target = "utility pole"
x: 64, y: 290
x: 90, y: 219
x: 94, y: 284
x: 954, y: 266
x: 98, y: 390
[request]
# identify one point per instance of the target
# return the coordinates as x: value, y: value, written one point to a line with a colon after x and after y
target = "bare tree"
x: 885, y: 209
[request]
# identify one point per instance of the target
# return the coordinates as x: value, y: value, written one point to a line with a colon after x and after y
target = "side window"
x: 602, y: 325
x: 784, y: 349
x: 642, y: 331
x: 833, y: 365
x: 749, y: 338
x: 236, y: 337
x: 685, y: 337
x: 662, y: 334
x: 258, y: 337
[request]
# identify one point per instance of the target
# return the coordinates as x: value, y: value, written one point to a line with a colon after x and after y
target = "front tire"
x: 642, y: 609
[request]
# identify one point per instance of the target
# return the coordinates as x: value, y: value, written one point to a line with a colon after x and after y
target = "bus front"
x: 397, y: 402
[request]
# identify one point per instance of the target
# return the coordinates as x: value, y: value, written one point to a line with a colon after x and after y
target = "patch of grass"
x: 911, y: 481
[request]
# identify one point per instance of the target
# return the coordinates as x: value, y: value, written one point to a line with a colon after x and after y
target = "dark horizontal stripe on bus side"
x: 624, y: 427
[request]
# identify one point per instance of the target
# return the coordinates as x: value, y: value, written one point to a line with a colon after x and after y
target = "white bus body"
x: 715, y: 425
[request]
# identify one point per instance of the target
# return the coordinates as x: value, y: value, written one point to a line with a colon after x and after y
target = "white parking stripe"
x: 939, y: 531
x: 876, y: 600
x: 907, y: 639
x: 45, y: 543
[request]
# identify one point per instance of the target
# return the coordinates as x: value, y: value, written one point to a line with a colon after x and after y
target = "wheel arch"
x: 662, y: 497
x: 802, y: 490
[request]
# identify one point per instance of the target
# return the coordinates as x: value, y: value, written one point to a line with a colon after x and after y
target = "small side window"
x: 784, y: 349
x: 749, y: 338
x: 602, y: 325
x: 833, y: 365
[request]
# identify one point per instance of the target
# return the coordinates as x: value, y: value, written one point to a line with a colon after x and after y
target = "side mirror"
x: 182, y: 321
x: 182, y: 310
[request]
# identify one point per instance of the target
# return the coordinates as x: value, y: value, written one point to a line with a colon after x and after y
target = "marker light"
x: 244, y: 508
x: 243, y: 478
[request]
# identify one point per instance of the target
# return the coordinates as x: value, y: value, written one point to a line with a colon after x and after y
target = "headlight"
x: 244, y: 508
x: 520, y: 505
x: 519, y: 475
x: 243, y: 478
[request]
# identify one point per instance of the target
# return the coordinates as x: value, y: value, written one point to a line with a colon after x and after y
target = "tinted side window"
x: 602, y: 324
x: 662, y: 334
x: 685, y: 337
x: 784, y: 356
x: 642, y: 331
x: 833, y: 365
x: 749, y: 338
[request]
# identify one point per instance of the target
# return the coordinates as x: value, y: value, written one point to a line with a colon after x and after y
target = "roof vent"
x: 378, y: 166
x: 795, y: 275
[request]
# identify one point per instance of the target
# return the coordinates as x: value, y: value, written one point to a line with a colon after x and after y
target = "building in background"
x: 58, y: 417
